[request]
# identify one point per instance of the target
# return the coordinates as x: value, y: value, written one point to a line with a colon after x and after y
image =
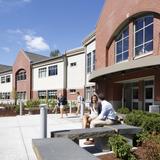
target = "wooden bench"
x: 100, y: 134
x: 59, y: 149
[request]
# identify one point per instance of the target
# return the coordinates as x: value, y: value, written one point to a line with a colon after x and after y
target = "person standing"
x: 62, y: 103
x: 107, y: 116
x: 79, y: 102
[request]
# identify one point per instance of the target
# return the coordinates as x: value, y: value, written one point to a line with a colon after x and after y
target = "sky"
x: 40, y: 26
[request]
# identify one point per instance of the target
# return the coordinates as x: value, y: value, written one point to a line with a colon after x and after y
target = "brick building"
x: 128, y: 53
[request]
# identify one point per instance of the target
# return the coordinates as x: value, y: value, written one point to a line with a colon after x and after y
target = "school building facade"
x: 120, y: 58
x: 128, y: 53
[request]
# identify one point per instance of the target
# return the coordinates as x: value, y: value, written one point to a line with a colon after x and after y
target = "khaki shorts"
x: 62, y: 106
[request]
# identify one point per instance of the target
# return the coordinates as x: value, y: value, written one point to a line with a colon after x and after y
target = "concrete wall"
x: 6, y: 87
x: 49, y: 82
x: 76, y: 74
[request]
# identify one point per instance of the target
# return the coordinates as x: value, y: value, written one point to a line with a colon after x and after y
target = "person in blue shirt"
x: 107, y: 115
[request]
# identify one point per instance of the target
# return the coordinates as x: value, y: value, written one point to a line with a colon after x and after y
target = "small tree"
x: 55, y: 53
x: 14, y: 95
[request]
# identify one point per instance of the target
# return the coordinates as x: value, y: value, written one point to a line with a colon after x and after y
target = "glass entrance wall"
x: 148, y: 94
x: 135, y: 99
x: 131, y: 95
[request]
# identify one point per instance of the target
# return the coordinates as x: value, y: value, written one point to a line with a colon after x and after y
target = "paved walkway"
x: 16, y: 133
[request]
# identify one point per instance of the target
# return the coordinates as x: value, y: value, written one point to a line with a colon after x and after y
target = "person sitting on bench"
x: 107, y: 116
x: 95, y: 109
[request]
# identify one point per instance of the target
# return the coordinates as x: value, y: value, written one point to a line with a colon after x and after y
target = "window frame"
x: 21, y: 75
x: 144, y: 52
x: 42, y: 72
x: 53, y: 70
x: 121, y: 34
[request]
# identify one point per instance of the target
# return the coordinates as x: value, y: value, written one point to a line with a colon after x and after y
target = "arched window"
x: 143, y: 33
x: 21, y: 75
x: 122, y: 45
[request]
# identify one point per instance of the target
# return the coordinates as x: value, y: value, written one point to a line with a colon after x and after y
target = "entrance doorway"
x: 148, y: 94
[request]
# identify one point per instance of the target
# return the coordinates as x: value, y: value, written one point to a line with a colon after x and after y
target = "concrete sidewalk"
x: 16, y: 133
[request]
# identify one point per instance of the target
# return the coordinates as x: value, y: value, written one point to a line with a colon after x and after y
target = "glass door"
x: 148, y: 96
x: 134, y: 97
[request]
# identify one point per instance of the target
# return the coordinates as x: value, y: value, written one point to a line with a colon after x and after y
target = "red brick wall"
x: 74, y: 96
x: 113, y: 90
x: 156, y: 36
x: 22, y: 62
x: 113, y: 15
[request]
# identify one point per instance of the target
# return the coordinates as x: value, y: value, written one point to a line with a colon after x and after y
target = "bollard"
x: 20, y: 108
x: 43, y: 117
x: 82, y: 110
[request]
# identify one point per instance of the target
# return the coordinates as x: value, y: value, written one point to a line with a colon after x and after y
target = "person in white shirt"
x: 79, y: 102
x: 107, y: 115
x: 94, y: 110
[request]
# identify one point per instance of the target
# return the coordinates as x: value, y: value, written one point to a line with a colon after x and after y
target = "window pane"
x: 119, y: 47
x: 148, y: 47
x: 125, y: 33
x: 135, y: 93
x: 119, y: 57
x: 135, y: 105
x: 147, y: 106
x: 149, y: 93
x: 125, y: 44
x: 149, y: 33
x: 139, y: 24
x: 88, y: 62
x: 52, y: 70
x: 148, y: 20
x: 125, y: 55
x: 139, y: 38
x: 119, y: 37
x: 139, y: 50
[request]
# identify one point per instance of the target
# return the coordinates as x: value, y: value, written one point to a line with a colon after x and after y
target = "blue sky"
x: 40, y: 26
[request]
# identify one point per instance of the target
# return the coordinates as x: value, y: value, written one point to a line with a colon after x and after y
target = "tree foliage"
x: 55, y: 53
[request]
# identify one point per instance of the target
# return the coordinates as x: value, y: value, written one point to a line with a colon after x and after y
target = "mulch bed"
x: 5, y: 112
x: 139, y: 153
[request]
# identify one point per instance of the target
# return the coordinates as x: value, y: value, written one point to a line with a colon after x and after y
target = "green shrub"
x: 135, y: 118
x: 123, y: 110
x: 52, y: 103
x: 35, y: 103
x: 29, y: 104
x: 17, y: 108
x: 151, y: 124
x: 121, y: 148
x: 141, y: 137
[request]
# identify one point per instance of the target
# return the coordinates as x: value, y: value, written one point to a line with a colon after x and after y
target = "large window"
x: 5, y: 95
x: 52, y: 94
x: 143, y: 35
x: 91, y: 58
x: 88, y: 62
x: 42, y: 94
x: 21, y: 75
x: 42, y: 72
x: 2, y: 79
x: 94, y: 60
x: 52, y: 70
x: 21, y: 95
x: 6, y: 79
x: 122, y: 45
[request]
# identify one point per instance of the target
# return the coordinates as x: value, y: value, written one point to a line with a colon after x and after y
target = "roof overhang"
x: 142, y: 62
